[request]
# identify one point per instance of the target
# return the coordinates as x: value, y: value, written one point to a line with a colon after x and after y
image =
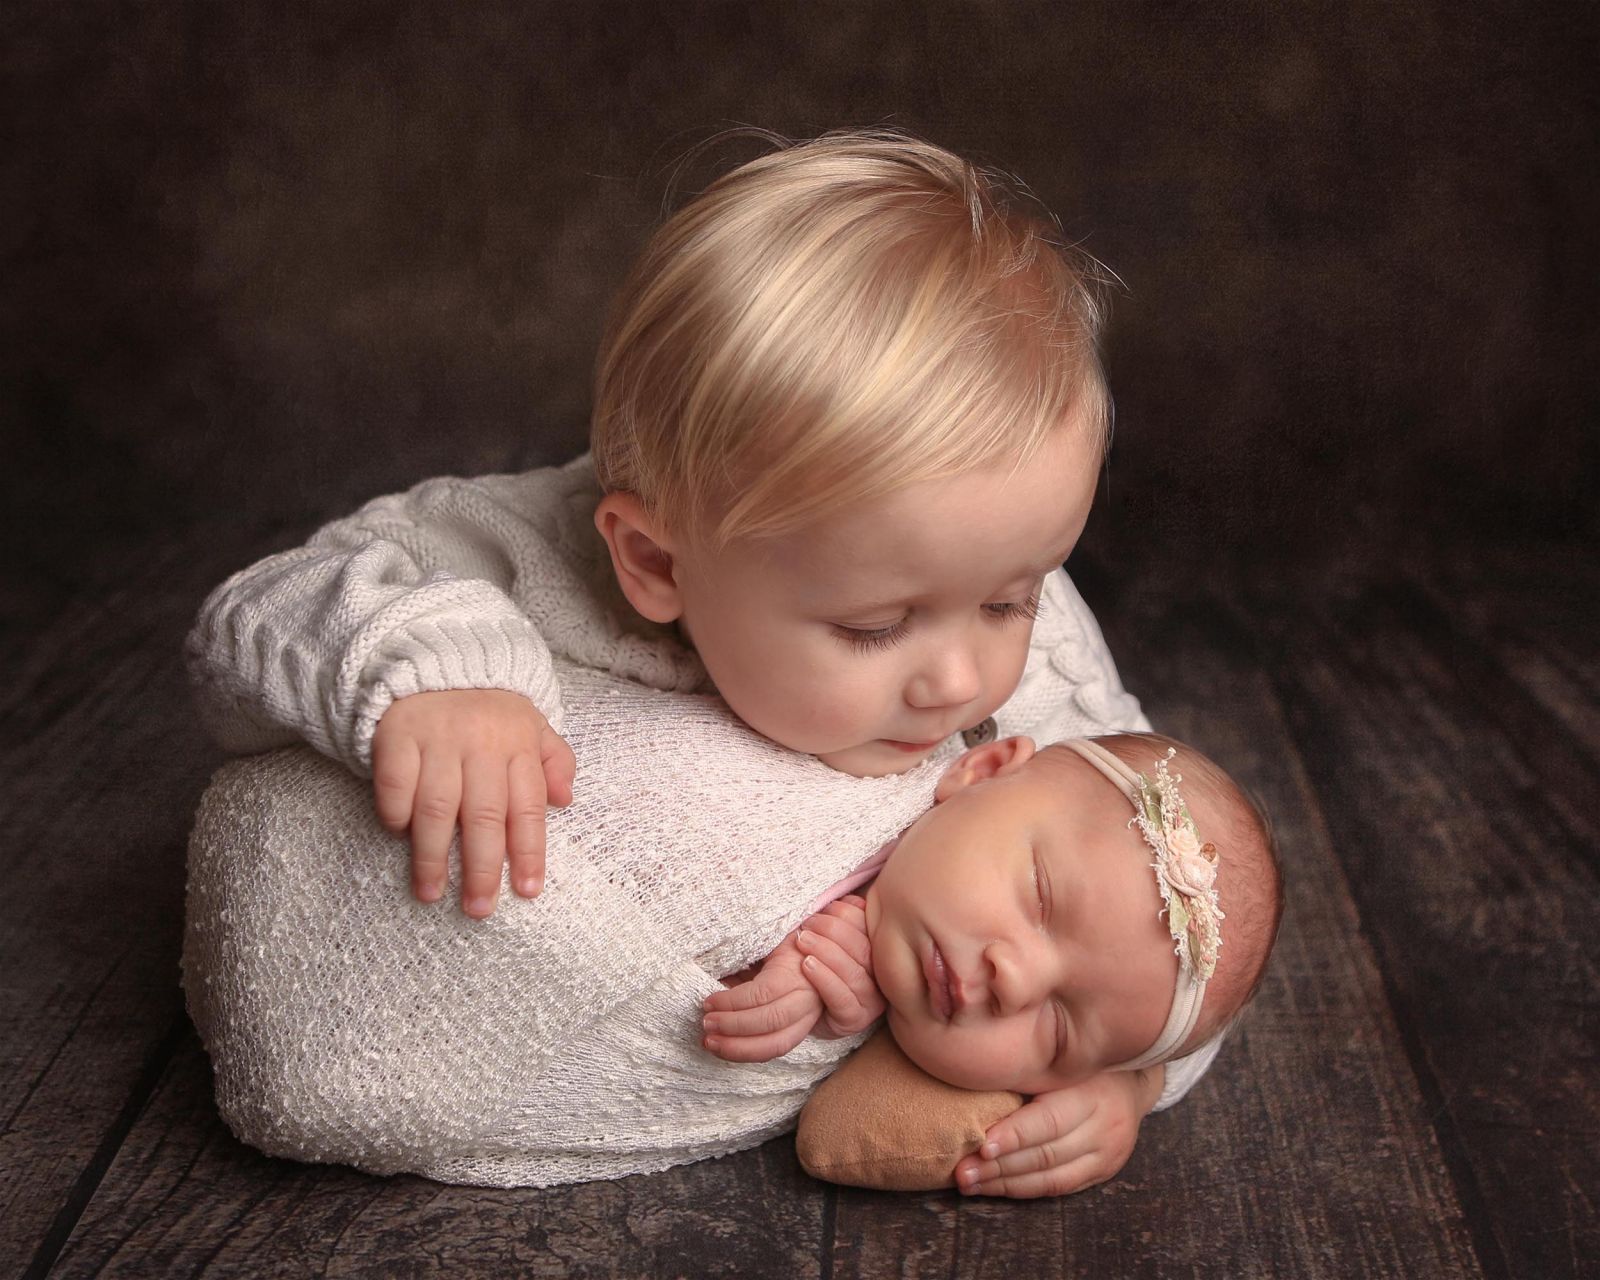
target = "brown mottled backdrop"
x: 261, y: 261
x: 265, y: 260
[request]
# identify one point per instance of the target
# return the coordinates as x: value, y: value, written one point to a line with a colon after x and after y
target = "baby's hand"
x: 1064, y: 1140
x: 485, y: 757
x: 764, y: 1018
x: 838, y: 964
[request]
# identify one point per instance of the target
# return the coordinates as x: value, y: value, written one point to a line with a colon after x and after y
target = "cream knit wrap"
x: 559, y: 1040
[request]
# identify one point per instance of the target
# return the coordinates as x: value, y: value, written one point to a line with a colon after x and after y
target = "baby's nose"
x: 1018, y: 979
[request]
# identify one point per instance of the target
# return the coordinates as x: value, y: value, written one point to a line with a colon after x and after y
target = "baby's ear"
x: 988, y: 761
x: 639, y: 558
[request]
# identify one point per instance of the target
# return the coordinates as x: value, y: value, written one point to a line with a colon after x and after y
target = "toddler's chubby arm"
x: 1065, y: 1140
x: 819, y: 980
x: 392, y: 643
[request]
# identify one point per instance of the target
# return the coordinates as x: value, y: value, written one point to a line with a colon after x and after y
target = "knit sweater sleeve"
x: 420, y: 591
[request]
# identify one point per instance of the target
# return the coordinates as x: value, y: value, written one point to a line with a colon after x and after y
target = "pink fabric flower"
x: 1190, y: 873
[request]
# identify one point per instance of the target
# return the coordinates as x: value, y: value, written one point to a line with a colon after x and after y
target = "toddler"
x: 848, y: 419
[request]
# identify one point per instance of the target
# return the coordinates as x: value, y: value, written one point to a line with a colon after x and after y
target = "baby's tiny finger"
x: 744, y: 995
x: 762, y: 1019
x: 1047, y: 1117
x: 840, y: 1001
x: 1058, y: 1180
x: 756, y: 1048
x: 842, y: 934
x: 831, y: 956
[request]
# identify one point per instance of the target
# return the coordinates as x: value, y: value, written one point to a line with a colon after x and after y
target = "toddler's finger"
x: 483, y: 833
x: 763, y: 1019
x: 395, y: 766
x: 852, y: 941
x: 433, y: 821
x: 525, y: 831
x: 560, y: 767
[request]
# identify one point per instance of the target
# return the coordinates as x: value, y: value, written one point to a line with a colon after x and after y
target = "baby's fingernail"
x: 710, y: 1043
x: 529, y: 886
x: 810, y: 962
x: 479, y: 907
x: 969, y: 1179
x: 804, y: 938
x: 989, y: 1150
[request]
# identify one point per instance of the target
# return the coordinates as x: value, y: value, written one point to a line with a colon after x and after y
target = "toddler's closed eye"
x: 1008, y: 610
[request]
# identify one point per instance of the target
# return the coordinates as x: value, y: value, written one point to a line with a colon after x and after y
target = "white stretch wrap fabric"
x: 558, y: 1040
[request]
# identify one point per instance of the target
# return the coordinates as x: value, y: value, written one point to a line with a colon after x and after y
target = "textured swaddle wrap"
x: 558, y: 1040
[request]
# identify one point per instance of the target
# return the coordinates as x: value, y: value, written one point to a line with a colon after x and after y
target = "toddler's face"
x: 870, y: 639
x: 1015, y: 931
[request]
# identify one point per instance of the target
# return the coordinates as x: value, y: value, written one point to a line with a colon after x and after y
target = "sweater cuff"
x: 429, y: 655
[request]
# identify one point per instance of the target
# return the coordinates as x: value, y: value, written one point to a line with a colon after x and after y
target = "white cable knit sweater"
x: 558, y: 1040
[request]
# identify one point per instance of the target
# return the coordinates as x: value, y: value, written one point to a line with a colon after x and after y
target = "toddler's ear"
x: 641, y: 561
x: 988, y: 761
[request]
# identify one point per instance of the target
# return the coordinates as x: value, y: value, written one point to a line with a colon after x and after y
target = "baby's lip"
x: 942, y: 987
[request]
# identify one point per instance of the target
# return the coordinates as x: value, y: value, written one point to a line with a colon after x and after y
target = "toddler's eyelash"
x: 868, y: 638
x: 1006, y: 610
x: 871, y: 638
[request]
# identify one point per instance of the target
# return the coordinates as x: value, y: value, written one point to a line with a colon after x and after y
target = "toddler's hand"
x: 838, y: 964
x: 764, y: 1018
x: 1064, y: 1140
x: 485, y: 757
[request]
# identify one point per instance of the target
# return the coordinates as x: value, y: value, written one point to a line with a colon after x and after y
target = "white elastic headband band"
x: 1190, y: 990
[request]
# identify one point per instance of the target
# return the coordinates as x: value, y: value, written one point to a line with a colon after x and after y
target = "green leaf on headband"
x: 1177, y: 915
x: 1151, y: 802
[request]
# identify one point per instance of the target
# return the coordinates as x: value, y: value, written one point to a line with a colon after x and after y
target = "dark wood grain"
x: 184, y: 1198
x: 1466, y: 816
x: 101, y: 760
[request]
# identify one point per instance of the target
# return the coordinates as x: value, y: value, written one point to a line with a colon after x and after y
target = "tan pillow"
x: 881, y: 1121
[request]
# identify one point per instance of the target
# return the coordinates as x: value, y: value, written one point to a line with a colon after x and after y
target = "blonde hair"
x: 834, y: 321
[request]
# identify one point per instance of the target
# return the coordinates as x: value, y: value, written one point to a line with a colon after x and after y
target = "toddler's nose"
x: 947, y: 678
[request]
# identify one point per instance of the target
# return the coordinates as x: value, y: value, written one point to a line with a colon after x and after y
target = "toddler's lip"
x: 912, y: 746
x: 937, y: 973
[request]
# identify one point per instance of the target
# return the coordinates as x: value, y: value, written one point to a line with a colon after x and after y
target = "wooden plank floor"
x: 1413, y: 1094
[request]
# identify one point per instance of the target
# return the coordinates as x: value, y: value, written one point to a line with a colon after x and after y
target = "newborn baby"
x: 1055, y: 914
x: 559, y: 1040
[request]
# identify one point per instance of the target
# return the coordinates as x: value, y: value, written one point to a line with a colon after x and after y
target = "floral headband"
x: 1186, y: 873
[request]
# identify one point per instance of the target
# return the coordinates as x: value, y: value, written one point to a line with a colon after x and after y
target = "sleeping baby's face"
x: 1015, y: 930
